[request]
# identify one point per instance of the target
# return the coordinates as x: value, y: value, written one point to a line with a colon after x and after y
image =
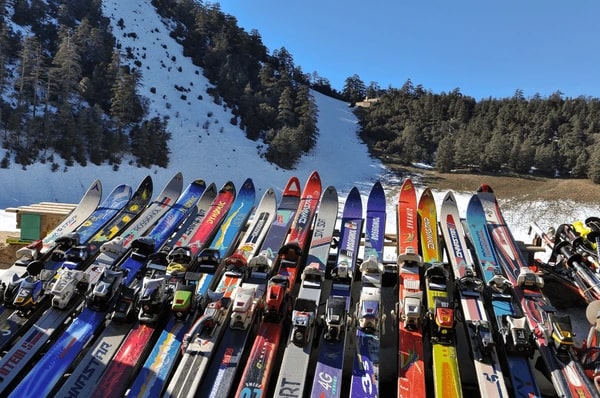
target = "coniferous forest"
x: 68, y: 89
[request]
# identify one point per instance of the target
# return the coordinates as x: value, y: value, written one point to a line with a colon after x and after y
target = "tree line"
x: 550, y: 136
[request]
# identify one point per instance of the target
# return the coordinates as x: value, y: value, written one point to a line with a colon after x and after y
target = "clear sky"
x: 485, y: 48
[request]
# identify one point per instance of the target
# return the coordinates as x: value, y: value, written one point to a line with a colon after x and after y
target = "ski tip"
x: 199, y: 182
x: 95, y: 186
x: 228, y: 186
x: 178, y: 176
x: 354, y: 192
x: 407, y: 184
x: 474, y: 203
x: 329, y: 191
x: 292, y: 187
x: 212, y: 188
x: 314, y: 176
x: 313, y: 185
x: 426, y: 195
x: 146, y: 181
x: 449, y: 197
x: 485, y: 188
x: 377, y: 190
x: 248, y: 184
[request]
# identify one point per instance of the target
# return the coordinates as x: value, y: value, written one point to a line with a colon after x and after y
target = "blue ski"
x: 43, y: 377
x: 508, y: 316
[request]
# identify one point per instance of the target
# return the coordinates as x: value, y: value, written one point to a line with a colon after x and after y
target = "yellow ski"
x: 440, y: 305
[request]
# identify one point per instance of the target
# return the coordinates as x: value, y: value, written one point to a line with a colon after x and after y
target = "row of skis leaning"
x: 201, y: 292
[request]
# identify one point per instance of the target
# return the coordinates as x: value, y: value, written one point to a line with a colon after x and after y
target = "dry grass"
x: 525, y: 188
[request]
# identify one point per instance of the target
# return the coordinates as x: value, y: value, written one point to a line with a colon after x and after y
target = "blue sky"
x: 485, y: 48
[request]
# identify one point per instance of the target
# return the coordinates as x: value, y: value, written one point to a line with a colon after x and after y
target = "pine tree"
x: 354, y: 89
x: 91, y: 125
x: 285, y: 148
x: 28, y: 77
x: 285, y: 108
x: 307, y: 117
x: 126, y: 108
x: 444, y: 159
x: 65, y: 73
x: 594, y: 164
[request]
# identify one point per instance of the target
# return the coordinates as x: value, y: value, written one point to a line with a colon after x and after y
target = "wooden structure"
x: 37, y: 220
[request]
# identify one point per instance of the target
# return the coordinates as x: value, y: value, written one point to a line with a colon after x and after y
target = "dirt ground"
x: 524, y: 188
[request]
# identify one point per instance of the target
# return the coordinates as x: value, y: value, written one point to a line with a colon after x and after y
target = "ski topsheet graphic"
x: 298, y: 347
x: 228, y: 357
x: 337, y: 319
x: 256, y: 375
x: 42, y: 378
x: 551, y: 332
x: 470, y: 293
x: 440, y: 303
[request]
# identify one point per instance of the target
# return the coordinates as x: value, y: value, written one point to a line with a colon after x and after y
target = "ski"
x: 470, y: 295
x: 199, y: 341
x: 186, y: 230
x: 110, y: 274
x: 297, y: 351
x: 101, y: 355
x: 332, y: 342
x: 52, y: 321
x: 370, y: 314
x: 257, y: 373
x: 42, y: 248
x: 411, y: 368
x: 574, y: 252
x: 440, y: 303
x: 29, y: 307
x: 551, y: 332
x: 376, y: 219
x: 508, y: 319
x: 181, y: 272
x: 93, y: 363
x: 223, y: 369
x: 564, y: 265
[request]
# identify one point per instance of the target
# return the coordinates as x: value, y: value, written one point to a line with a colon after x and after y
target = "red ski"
x: 257, y: 373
